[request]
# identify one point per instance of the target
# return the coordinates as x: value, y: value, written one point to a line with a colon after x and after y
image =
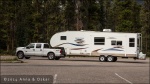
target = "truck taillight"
x: 61, y: 51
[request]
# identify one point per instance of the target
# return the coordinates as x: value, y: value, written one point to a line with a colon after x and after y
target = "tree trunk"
x: 79, y: 23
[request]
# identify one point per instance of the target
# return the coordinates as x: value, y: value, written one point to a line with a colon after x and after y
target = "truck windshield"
x: 31, y: 45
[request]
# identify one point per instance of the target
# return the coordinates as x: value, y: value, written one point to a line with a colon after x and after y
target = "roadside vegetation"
x: 9, y: 59
x: 26, y: 21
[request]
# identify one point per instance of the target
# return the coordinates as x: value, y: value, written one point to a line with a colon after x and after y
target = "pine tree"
x: 24, y: 23
x: 8, y: 23
x: 136, y: 8
x: 145, y: 19
x: 108, y: 17
x: 126, y: 16
x: 69, y: 15
x: 37, y: 19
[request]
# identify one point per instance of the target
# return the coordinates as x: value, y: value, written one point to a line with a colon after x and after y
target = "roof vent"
x: 106, y: 30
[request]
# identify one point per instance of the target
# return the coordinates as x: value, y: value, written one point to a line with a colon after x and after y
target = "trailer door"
x: 131, y: 47
x: 117, y: 47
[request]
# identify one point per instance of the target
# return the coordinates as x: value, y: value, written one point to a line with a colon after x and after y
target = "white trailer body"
x: 92, y: 43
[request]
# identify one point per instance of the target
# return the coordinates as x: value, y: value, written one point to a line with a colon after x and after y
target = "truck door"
x: 30, y: 49
x: 38, y: 49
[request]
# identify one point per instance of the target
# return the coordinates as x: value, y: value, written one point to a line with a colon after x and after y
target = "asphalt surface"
x: 83, y: 70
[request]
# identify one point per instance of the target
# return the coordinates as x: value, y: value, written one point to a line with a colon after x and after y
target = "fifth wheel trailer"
x: 106, y: 45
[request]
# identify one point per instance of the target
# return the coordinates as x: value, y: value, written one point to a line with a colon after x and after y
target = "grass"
x: 10, y: 59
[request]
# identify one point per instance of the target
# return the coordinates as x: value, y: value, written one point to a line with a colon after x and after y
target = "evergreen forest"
x: 26, y: 21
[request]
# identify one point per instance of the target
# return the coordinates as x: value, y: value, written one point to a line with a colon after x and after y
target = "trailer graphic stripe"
x: 112, y: 49
x: 78, y: 48
x: 71, y: 44
x: 96, y: 50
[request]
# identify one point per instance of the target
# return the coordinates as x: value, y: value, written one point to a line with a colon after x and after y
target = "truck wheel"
x: 57, y: 58
x: 20, y: 55
x: 27, y: 57
x: 110, y: 58
x: 51, y: 56
x: 102, y: 58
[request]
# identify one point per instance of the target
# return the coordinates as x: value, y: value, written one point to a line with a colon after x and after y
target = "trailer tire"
x: 110, y: 58
x: 57, y: 58
x: 102, y: 58
x: 20, y: 55
x: 51, y: 56
x: 27, y: 57
x: 115, y: 59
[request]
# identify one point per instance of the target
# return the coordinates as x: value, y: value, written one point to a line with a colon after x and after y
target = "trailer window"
x: 131, y: 42
x: 99, y: 40
x: 119, y: 42
x: 63, y: 38
x: 113, y: 42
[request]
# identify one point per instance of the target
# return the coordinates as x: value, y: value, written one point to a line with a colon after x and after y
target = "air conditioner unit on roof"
x: 106, y: 30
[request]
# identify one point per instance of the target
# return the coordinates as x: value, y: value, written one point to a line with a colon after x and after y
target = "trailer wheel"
x: 102, y: 58
x: 51, y: 56
x: 27, y: 57
x: 57, y: 58
x: 115, y: 59
x: 20, y: 55
x: 110, y: 58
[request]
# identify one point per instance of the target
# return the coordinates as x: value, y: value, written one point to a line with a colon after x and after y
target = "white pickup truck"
x: 40, y: 49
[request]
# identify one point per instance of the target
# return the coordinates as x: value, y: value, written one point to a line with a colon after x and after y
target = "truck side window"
x: 131, y: 42
x: 46, y: 46
x: 38, y: 45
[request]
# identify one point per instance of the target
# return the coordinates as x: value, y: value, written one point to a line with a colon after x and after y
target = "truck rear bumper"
x: 60, y: 55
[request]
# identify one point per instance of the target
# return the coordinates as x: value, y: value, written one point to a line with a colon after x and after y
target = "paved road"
x: 83, y: 70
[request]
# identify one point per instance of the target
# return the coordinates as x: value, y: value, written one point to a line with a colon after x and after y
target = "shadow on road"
x: 107, y: 62
x: 88, y: 60
x: 132, y: 62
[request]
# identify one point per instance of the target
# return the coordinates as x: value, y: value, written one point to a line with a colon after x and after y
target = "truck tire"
x: 57, y: 58
x: 27, y: 57
x: 102, y: 58
x: 110, y: 58
x: 20, y: 55
x: 51, y: 56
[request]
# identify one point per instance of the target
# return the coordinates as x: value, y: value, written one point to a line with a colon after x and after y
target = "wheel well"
x: 107, y: 55
x: 20, y: 51
x: 50, y: 52
x: 103, y: 55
